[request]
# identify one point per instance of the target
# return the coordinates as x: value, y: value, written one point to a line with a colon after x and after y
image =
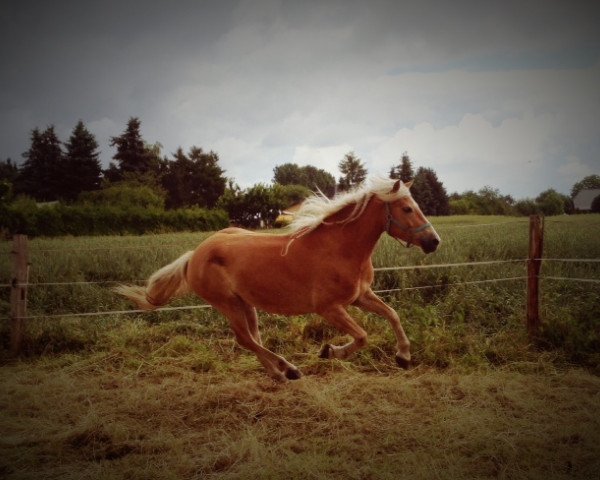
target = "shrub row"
x: 57, y: 220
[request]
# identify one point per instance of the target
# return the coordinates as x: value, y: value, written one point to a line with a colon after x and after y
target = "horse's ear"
x: 396, y: 186
x: 408, y: 184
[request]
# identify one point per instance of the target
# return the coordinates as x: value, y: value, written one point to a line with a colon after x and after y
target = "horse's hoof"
x: 402, y: 362
x: 326, y: 351
x: 293, y: 374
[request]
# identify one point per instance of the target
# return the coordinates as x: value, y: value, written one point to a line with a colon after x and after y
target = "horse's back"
x: 238, y: 249
x: 232, y: 230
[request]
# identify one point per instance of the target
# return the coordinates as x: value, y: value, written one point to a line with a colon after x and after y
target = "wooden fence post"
x: 18, y: 292
x: 534, y: 263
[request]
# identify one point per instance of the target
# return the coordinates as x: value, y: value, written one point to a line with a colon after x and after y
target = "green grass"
x: 468, y: 325
x: 170, y: 395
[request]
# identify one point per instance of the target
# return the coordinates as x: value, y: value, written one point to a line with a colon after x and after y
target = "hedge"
x: 56, y: 220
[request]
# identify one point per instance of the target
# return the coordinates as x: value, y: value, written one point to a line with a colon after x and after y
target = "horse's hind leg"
x: 252, y: 319
x: 342, y: 320
x: 242, y: 319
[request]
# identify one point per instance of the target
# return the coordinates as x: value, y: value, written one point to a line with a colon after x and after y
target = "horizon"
x: 336, y: 174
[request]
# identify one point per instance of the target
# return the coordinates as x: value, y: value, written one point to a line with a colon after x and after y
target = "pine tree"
x: 194, y: 179
x: 438, y: 191
x: 430, y: 193
x: 210, y: 179
x: 8, y: 176
x: 135, y: 158
x: 421, y: 191
x: 404, y: 171
x: 353, y: 171
x: 8, y: 170
x: 82, y: 168
x: 41, y: 175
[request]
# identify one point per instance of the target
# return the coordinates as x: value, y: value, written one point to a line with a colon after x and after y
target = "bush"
x: 462, y: 206
x: 86, y: 219
x: 256, y: 206
x: 551, y: 202
x: 526, y: 207
x: 487, y: 201
x: 126, y: 195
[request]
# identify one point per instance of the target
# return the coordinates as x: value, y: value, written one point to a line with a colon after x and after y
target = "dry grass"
x: 105, y: 416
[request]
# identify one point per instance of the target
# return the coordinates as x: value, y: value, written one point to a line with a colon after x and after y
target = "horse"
x: 321, y: 264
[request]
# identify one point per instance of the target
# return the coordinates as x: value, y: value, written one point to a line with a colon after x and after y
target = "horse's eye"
x: 407, y: 209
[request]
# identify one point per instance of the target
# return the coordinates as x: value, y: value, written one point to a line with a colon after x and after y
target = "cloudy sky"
x: 504, y: 93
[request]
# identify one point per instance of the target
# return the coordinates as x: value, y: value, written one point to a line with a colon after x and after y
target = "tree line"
x: 139, y: 176
x: 53, y: 170
x: 489, y: 201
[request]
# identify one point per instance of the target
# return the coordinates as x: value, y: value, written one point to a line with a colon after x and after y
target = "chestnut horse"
x: 322, y: 264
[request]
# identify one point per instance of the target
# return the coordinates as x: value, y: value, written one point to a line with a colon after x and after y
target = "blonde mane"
x: 317, y: 208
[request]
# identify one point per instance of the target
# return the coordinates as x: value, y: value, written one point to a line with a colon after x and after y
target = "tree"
x: 82, y: 168
x: 253, y: 207
x: 430, y: 193
x: 308, y: 176
x: 194, y: 179
x: 8, y: 178
x: 8, y: 170
x: 135, y: 158
x: 589, y: 182
x: 42, y: 173
x: 291, y: 194
x: 487, y: 201
x: 461, y: 206
x: 289, y: 174
x: 526, y: 207
x: 421, y: 192
x: 319, y: 179
x: 353, y: 171
x: 550, y: 202
x: 404, y: 171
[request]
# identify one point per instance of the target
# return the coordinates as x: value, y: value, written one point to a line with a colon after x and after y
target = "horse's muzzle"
x: 429, y: 245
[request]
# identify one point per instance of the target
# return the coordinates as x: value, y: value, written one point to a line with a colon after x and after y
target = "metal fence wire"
x: 27, y: 284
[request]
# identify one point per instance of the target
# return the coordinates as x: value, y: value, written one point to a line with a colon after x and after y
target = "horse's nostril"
x: 435, y: 241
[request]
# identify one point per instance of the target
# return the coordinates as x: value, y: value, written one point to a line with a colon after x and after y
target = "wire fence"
x: 378, y: 269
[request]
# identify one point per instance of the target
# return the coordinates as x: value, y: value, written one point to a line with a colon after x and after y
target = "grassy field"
x: 170, y: 395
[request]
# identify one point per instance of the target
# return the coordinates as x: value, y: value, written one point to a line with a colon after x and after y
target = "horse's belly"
x: 296, y: 295
x: 271, y: 292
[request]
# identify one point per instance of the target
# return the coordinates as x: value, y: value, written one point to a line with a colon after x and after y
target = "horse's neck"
x: 357, y: 238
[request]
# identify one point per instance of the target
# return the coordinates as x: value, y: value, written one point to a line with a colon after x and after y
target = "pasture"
x: 170, y: 395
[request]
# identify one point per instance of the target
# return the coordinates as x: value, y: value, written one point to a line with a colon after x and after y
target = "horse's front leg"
x: 370, y: 302
x: 339, y: 318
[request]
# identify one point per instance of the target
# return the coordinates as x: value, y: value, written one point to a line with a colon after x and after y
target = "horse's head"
x: 405, y: 221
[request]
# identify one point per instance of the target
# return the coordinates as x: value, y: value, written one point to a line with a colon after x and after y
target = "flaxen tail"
x: 164, y: 284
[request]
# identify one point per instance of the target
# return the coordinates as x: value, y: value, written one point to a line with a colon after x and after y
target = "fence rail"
x: 20, y: 279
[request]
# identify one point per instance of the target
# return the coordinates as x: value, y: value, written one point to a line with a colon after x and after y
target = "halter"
x: 410, y: 230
